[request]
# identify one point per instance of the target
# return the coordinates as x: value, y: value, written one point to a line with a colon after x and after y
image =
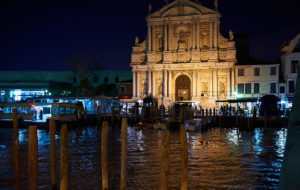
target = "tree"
x: 61, y: 89
x: 106, y: 89
x: 269, y: 105
x: 84, y: 66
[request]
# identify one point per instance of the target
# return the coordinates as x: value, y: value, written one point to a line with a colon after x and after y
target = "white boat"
x: 193, y: 125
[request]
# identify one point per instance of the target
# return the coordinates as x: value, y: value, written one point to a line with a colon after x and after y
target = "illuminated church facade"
x: 185, y: 58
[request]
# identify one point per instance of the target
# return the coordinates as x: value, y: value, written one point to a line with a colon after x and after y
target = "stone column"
x: 134, y: 84
x: 171, y: 37
x: 232, y: 81
x: 165, y: 37
x: 211, y: 88
x: 198, y: 84
x: 197, y: 36
x: 153, y: 83
x: 210, y: 34
x: 149, y: 82
x: 215, y: 83
x: 193, y: 37
x: 164, y: 80
x: 168, y: 29
x: 215, y: 34
x: 170, y: 84
x: 196, y: 81
x: 149, y: 38
x: 153, y: 47
x: 194, y: 84
x: 228, y: 83
x: 137, y: 84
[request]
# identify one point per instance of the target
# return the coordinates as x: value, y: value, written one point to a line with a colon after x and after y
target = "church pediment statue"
x: 181, y: 41
x: 182, y: 7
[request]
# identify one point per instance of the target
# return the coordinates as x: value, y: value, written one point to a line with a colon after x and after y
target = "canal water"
x: 218, y: 158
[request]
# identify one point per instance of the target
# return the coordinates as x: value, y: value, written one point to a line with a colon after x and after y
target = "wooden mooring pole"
x: 104, y: 162
x: 52, y: 153
x: 32, y: 157
x: 124, y: 155
x: 265, y: 118
x: 184, y: 158
x: 16, y: 148
x: 236, y: 119
x: 248, y: 119
x: 165, y: 159
x: 64, y: 157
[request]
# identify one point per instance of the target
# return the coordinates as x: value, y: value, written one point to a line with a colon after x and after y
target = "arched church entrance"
x: 183, y: 88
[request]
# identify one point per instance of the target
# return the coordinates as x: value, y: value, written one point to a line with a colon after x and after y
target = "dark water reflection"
x: 218, y: 158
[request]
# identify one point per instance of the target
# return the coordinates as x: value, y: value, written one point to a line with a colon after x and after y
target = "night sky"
x: 41, y: 35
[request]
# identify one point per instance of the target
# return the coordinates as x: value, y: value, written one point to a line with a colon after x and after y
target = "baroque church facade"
x: 184, y: 56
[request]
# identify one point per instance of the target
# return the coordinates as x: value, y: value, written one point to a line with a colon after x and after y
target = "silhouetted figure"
x: 41, y: 115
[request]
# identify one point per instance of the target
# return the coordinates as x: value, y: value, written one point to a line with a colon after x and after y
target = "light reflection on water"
x: 218, y: 158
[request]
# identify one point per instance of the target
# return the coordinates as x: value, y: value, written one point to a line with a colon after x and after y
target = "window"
x: 105, y: 80
x: 282, y: 89
x: 67, y: 110
x: 46, y: 110
x: 291, y: 86
x: 273, y: 87
x: 240, y: 88
x: 248, y: 88
x: 240, y: 72
x: 273, y: 70
x: 54, y: 110
x: 256, y: 88
x: 61, y: 110
x: 117, y: 79
x: 294, y: 66
x: 95, y: 79
x: 74, y: 80
x: 122, y: 89
x: 256, y: 71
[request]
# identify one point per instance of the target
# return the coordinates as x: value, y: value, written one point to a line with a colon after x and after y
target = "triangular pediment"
x: 182, y: 8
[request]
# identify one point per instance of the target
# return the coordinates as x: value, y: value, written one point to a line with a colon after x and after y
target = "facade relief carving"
x: 204, y: 55
x: 222, y: 55
x: 204, y: 38
x: 222, y: 91
x: 204, y: 88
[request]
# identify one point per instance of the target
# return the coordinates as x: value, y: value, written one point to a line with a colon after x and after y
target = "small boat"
x: 141, y: 125
x: 193, y: 125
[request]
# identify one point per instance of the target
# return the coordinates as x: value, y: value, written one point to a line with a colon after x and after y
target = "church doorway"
x: 183, y: 88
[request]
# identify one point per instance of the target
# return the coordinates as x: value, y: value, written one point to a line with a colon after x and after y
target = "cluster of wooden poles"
x: 33, y: 156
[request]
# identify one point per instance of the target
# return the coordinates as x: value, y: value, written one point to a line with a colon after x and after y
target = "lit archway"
x: 183, y: 88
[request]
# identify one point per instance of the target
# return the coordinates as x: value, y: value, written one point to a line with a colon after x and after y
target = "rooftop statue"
x: 290, y: 46
x: 231, y: 36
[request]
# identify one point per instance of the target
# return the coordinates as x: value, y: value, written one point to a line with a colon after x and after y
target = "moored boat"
x: 193, y: 125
